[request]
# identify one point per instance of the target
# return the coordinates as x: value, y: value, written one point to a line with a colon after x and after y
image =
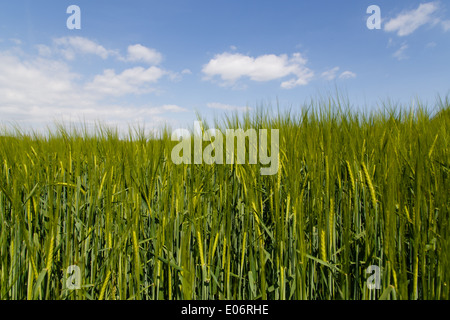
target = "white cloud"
x: 408, y: 22
x: 17, y: 42
x: 227, y: 107
x: 134, y: 80
x: 177, y: 76
x: 232, y: 66
x: 171, y: 108
x: 70, y: 46
x: 400, y: 53
x: 330, y: 74
x: 139, y: 53
x: 446, y: 25
x: 36, y: 81
x: 390, y: 43
x: 36, y: 91
x: 44, y: 50
x: 347, y: 75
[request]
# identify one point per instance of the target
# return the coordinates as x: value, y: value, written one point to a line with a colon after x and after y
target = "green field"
x: 353, y: 190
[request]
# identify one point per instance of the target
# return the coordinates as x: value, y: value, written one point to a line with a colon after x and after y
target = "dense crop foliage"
x: 352, y: 191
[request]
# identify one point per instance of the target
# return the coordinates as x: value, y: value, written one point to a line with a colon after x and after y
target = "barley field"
x: 354, y: 191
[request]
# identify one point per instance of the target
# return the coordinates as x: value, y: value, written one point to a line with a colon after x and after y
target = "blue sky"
x: 158, y: 62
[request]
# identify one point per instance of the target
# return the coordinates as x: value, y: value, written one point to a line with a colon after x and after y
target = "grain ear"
x: 344, y: 193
